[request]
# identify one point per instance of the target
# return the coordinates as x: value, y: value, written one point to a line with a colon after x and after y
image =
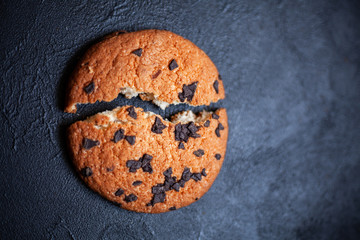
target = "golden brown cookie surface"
x: 169, y: 67
x: 148, y: 164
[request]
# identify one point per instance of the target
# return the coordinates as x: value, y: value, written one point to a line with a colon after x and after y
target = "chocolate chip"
x: 203, y: 172
x: 181, y: 146
x: 196, y: 176
x: 219, y: 77
x: 137, y: 183
x: 156, y: 74
x: 173, y: 64
x: 196, y: 199
x: 110, y: 169
x: 168, y: 172
x: 207, y: 123
x: 119, y: 135
x: 215, y: 116
x: 217, y: 130
x: 137, y: 52
x: 143, y: 162
x: 186, y: 174
x: 176, y: 186
x: 169, y: 183
x: 182, y: 183
x: 86, y: 172
x: 188, y: 92
x: 216, y: 86
x: 172, y: 208
x: 132, y: 113
x: 160, y: 197
x: 158, y: 126
x: 133, y: 165
x: 159, y: 188
x: 199, y: 152
x: 130, y: 139
x: 130, y: 198
x: 88, y: 143
x: 217, y: 156
x: 184, y: 131
x: 119, y: 192
x: 89, y: 88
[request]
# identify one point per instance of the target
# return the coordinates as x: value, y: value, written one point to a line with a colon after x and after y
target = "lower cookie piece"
x: 148, y: 164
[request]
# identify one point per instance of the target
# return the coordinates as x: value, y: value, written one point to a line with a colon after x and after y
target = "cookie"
x: 145, y: 163
x: 158, y: 65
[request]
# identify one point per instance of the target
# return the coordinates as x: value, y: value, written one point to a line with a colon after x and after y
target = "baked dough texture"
x: 145, y: 163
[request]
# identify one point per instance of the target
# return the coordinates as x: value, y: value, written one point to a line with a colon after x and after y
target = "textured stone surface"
x: 291, y: 72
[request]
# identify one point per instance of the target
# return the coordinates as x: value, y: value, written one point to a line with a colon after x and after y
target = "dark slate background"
x: 291, y: 71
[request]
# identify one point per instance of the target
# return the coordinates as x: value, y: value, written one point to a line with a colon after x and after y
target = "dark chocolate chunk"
x: 86, y: 172
x: 217, y: 130
x: 188, y: 92
x: 215, y: 116
x: 173, y: 64
x: 137, y: 183
x: 148, y: 169
x: 199, y: 152
x: 207, y: 123
x: 196, y: 199
x: 216, y: 86
x: 159, y: 188
x: 133, y: 165
x: 119, y: 192
x: 203, y: 172
x: 137, y: 52
x: 119, y: 135
x: 182, y: 183
x: 130, y: 139
x: 157, y: 198
x: 168, y: 172
x: 219, y: 77
x: 184, y: 131
x: 193, y: 129
x: 156, y: 74
x: 186, y: 174
x: 158, y: 126
x: 172, y: 208
x: 89, y: 88
x: 196, y: 176
x: 217, y: 156
x: 169, y: 181
x: 88, y: 143
x: 143, y: 162
x: 132, y: 113
x: 117, y: 204
x: 176, y: 186
x: 181, y: 146
x: 130, y: 198
x: 110, y: 169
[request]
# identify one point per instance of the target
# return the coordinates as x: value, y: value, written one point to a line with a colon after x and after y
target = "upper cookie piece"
x: 159, y: 65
